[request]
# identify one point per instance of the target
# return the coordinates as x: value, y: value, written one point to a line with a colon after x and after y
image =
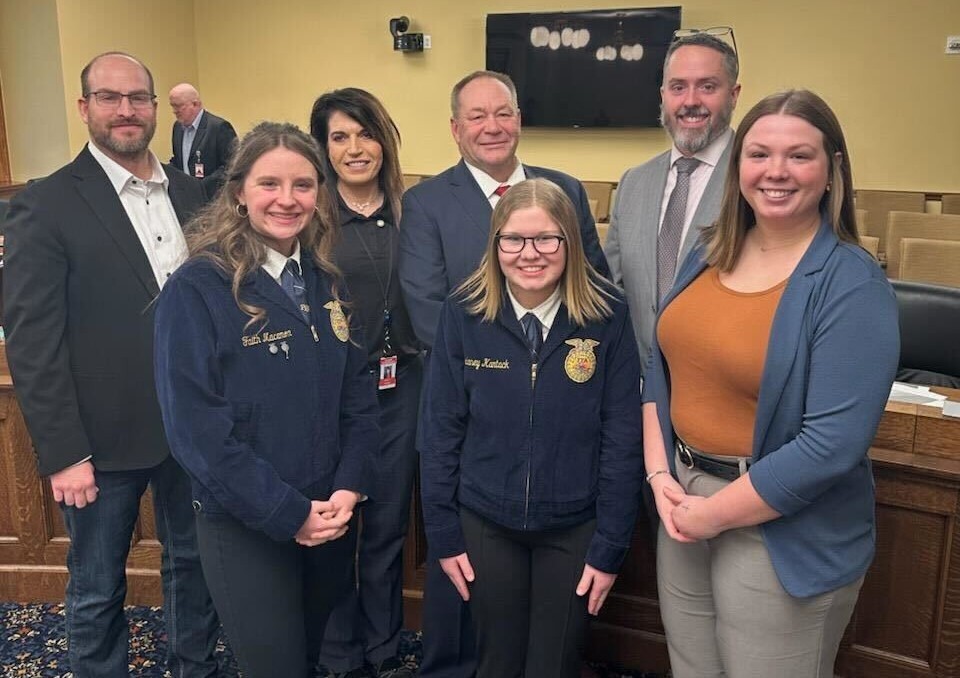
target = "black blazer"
x: 79, y: 295
x: 215, y: 140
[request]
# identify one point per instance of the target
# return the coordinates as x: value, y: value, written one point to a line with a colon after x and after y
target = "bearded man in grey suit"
x: 698, y: 95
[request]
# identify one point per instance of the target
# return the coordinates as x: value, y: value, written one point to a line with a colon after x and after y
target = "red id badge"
x: 388, y: 372
x: 198, y: 170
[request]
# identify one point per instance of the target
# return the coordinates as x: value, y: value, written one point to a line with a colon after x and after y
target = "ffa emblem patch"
x: 581, y: 363
x: 338, y: 320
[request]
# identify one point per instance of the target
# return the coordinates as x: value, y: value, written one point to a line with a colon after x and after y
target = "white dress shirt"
x: 489, y: 185
x: 148, y: 206
x: 546, y: 312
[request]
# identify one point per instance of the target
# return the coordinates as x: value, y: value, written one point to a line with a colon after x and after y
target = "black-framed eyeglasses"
x: 544, y: 244
x: 720, y: 32
x: 110, y: 99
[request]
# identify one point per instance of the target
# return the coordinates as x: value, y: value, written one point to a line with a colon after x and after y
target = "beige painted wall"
x: 30, y: 74
x: 879, y: 63
x: 161, y: 34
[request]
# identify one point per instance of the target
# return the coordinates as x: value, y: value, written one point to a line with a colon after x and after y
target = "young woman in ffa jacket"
x: 267, y: 403
x: 532, y: 463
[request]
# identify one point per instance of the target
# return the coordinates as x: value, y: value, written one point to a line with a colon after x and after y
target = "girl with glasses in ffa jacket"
x: 267, y: 403
x: 531, y: 459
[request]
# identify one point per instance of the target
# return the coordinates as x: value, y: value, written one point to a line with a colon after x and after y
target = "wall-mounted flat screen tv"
x: 599, y: 68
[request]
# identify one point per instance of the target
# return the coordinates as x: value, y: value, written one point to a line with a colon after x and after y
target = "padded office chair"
x: 870, y: 244
x: 880, y: 203
x: 915, y: 225
x: 602, y: 192
x: 950, y: 203
x: 929, y: 333
x: 936, y: 262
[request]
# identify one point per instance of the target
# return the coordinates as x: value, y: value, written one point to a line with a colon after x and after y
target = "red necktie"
x: 501, y: 189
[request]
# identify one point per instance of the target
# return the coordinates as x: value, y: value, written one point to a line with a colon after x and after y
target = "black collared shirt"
x: 369, y: 272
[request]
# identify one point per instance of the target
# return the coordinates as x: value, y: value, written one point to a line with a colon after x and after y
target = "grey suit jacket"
x: 444, y: 231
x: 631, y: 246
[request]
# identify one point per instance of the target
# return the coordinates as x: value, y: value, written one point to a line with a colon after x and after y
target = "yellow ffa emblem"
x: 338, y: 321
x: 581, y: 363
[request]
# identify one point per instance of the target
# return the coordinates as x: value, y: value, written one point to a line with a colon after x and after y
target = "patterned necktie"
x: 501, y: 189
x: 533, y: 331
x: 292, y: 283
x: 668, y: 242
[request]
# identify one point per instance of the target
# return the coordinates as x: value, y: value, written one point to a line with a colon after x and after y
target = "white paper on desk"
x: 951, y: 408
x: 915, y: 395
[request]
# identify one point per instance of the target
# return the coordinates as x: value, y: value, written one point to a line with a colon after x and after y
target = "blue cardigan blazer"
x: 832, y: 356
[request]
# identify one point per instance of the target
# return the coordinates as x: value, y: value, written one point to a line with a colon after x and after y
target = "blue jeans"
x: 100, y: 536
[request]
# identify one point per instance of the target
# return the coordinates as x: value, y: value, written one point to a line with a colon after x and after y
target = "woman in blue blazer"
x: 771, y: 365
x: 531, y: 461
x: 267, y: 403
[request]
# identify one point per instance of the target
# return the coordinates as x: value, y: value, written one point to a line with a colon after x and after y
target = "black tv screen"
x: 599, y: 68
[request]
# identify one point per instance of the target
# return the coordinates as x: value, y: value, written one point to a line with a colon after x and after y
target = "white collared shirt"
x: 189, y: 135
x: 708, y: 157
x: 489, y: 185
x: 276, y: 262
x: 147, y: 204
x: 546, y: 312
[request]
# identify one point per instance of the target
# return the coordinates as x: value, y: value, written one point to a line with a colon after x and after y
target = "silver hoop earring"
x: 242, y: 213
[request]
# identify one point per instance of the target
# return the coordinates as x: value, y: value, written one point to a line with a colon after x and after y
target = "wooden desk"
x: 906, y: 624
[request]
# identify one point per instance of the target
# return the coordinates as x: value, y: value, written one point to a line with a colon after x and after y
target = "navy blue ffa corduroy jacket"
x: 262, y: 418
x: 533, y: 449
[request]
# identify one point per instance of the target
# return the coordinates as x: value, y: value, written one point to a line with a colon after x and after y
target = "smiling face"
x: 532, y: 276
x: 123, y: 132
x: 487, y: 127
x: 784, y: 170
x: 280, y: 193
x: 354, y: 154
x: 697, y: 98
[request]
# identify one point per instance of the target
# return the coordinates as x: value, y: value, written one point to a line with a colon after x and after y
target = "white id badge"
x: 198, y: 170
x: 388, y: 372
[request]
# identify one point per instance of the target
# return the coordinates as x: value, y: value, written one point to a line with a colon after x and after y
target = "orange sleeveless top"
x: 715, y: 342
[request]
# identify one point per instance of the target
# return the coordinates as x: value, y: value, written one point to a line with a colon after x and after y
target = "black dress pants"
x: 273, y: 598
x: 528, y: 618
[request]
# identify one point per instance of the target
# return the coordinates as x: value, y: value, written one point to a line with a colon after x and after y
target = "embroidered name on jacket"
x: 255, y: 339
x: 487, y: 363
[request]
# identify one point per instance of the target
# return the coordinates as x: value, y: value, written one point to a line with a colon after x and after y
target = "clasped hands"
x: 685, y: 517
x: 593, y: 582
x: 327, y: 520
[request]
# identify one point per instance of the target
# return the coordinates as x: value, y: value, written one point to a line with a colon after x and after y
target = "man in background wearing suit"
x: 698, y: 95
x: 87, y: 250
x: 443, y: 234
x: 202, y: 141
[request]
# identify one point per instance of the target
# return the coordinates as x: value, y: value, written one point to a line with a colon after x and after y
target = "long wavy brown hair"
x: 219, y: 233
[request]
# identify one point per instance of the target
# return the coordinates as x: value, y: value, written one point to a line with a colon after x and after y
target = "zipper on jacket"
x: 526, y: 495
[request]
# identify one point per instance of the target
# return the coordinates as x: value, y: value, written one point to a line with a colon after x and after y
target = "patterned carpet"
x: 33, y: 645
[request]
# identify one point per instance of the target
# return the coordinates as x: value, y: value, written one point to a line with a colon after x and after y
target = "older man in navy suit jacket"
x: 443, y: 234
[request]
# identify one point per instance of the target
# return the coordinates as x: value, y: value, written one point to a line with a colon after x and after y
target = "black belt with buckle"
x: 693, y: 458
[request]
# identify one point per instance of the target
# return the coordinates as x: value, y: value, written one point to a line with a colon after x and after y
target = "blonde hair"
x: 219, y: 233
x: 724, y: 239
x: 582, y: 289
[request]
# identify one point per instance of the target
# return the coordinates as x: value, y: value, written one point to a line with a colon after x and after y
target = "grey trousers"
x: 726, y: 614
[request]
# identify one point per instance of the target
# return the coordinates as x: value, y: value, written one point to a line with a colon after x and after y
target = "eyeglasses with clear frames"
x: 111, y: 99
x: 720, y: 32
x: 544, y: 244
